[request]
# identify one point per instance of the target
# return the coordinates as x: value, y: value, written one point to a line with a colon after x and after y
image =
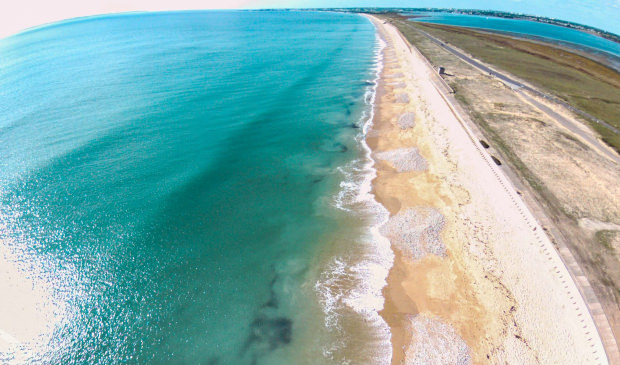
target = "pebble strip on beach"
x: 416, y: 232
x: 435, y: 342
x: 404, y: 159
x: 396, y: 85
x: 402, y: 98
x: 407, y: 120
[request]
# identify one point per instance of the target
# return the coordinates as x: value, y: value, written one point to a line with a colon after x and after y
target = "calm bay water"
x: 192, y: 187
x: 548, y: 32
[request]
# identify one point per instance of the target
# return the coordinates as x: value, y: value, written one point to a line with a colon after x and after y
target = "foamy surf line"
x: 369, y: 272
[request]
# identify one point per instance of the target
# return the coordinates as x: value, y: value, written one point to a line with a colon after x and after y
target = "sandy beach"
x: 475, y: 279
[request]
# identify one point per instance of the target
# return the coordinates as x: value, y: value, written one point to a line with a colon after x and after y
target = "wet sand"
x: 475, y: 279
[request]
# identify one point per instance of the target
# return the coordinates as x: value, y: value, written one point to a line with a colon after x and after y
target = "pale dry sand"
x: 500, y: 294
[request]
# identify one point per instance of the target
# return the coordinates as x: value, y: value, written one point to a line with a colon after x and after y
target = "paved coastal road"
x: 594, y: 306
x: 520, y: 87
x: 572, y: 126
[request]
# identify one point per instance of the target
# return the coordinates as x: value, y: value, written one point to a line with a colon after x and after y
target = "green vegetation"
x: 574, y: 140
x: 583, y: 83
x: 605, y: 238
x: 534, y: 18
x: 550, y: 201
x: 587, y: 85
x: 408, y: 29
x: 611, y: 139
x: 494, y: 139
x: 494, y: 13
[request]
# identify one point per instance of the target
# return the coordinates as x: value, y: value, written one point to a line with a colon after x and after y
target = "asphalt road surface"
x: 516, y: 84
x: 520, y: 88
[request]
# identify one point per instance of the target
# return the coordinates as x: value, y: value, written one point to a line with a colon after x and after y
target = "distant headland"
x: 499, y: 14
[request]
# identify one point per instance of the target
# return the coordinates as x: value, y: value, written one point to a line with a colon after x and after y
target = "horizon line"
x: 336, y: 9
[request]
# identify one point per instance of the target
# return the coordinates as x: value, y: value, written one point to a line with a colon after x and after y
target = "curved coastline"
x: 485, y: 293
x: 355, y: 283
x: 519, y: 27
x: 189, y: 175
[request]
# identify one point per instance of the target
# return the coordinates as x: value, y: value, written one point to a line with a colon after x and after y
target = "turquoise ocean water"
x: 194, y: 187
x: 547, y: 32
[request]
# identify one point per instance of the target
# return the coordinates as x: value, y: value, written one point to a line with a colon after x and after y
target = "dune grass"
x: 580, y: 81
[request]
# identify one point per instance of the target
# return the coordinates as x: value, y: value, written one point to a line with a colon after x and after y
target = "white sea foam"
x: 32, y: 308
x: 435, y: 342
x: 355, y: 282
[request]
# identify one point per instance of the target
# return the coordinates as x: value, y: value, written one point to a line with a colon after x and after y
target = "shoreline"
x: 485, y: 289
x: 350, y: 285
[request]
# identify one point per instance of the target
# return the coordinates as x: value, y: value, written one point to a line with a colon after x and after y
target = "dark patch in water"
x: 271, y: 303
x: 269, y: 330
x: 266, y: 335
x: 273, y: 299
x: 339, y: 147
x: 273, y: 332
x: 335, y: 147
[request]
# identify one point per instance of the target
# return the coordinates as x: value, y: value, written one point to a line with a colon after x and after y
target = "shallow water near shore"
x: 194, y: 187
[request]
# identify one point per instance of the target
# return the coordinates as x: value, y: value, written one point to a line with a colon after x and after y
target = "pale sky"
x: 17, y: 15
